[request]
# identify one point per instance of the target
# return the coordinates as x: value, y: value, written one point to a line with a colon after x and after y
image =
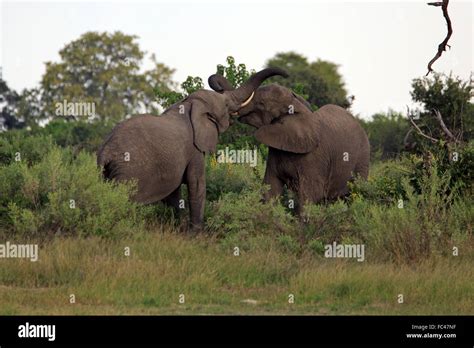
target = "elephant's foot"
x: 195, y: 228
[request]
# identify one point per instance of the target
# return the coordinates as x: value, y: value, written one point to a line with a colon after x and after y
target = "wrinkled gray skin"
x: 166, y: 151
x: 307, y: 150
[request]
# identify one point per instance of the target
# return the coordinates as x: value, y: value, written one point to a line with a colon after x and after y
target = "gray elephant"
x: 163, y: 152
x: 314, y: 154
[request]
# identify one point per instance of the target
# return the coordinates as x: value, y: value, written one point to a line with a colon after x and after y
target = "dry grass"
x: 214, y: 281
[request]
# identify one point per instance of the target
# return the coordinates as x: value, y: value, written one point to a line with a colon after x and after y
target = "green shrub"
x: 422, y: 224
x: 223, y: 178
x: 246, y: 214
x: 384, y: 184
x: 327, y: 222
x: 288, y: 243
x: 455, y: 161
x: 316, y: 246
x: 35, y: 143
x: 78, y: 134
x: 18, y: 145
x: 64, y: 196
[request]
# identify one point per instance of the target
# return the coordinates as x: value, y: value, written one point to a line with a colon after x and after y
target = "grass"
x: 164, y: 264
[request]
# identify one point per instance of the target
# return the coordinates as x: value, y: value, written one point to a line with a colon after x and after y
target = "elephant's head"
x: 210, y: 110
x: 284, y: 120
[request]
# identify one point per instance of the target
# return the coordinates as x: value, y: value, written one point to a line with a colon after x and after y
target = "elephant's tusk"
x: 245, y: 103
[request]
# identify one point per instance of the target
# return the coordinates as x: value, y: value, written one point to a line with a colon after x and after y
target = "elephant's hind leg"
x: 173, y: 200
x: 362, y: 169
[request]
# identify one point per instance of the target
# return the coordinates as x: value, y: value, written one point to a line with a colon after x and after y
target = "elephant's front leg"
x: 196, y: 180
x: 276, y: 185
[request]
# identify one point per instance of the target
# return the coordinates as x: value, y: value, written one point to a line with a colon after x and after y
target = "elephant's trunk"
x: 219, y: 83
x: 244, y: 93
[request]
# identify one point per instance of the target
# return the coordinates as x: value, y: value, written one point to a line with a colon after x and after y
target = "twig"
x: 442, y: 45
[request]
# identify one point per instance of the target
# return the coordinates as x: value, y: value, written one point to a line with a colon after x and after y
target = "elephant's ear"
x: 204, y: 130
x: 297, y: 133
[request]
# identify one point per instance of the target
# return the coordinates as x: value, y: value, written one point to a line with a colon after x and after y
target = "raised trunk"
x: 243, y: 93
x: 219, y: 83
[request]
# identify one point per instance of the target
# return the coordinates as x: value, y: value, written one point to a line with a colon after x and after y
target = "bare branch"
x: 443, y: 126
x: 405, y: 139
x: 442, y: 45
x: 406, y: 144
x: 410, y: 118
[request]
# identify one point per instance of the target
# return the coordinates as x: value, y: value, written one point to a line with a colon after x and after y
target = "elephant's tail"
x: 105, y: 164
x: 107, y: 171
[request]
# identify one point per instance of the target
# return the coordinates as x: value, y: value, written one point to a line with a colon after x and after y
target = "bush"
x: 246, y: 214
x: 223, y: 178
x: 385, y: 182
x: 31, y: 149
x: 78, y: 134
x: 64, y: 196
x: 455, y: 161
x: 327, y: 222
x: 422, y: 224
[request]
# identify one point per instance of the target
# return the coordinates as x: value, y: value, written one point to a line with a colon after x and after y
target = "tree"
x: 386, y: 133
x: 8, y: 103
x: 444, y: 129
x: 166, y: 97
x: 30, y: 107
x: 448, y: 97
x: 319, y: 82
x: 103, y: 69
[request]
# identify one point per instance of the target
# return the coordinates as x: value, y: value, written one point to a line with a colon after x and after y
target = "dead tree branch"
x: 442, y: 45
x: 410, y: 118
x: 451, y: 138
x: 444, y: 128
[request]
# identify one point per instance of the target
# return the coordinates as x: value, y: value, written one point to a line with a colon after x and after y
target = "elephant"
x: 315, y: 154
x: 163, y: 152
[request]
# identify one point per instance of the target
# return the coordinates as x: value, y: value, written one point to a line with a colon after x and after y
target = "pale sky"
x: 380, y: 46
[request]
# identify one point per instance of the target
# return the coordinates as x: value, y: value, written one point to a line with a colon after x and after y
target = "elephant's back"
x: 150, y: 149
x: 343, y: 130
x: 344, y: 139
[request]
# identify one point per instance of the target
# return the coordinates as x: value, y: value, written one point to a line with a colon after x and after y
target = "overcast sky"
x: 379, y: 46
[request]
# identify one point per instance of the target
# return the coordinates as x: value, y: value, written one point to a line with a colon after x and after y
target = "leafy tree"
x: 235, y: 74
x: 386, y: 133
x: 451, y: 96
x: 30, y: 107
x: 104, y: 69
x: 319, y: 81
x: 8, y: 103
x: 166, y: 98
x: 451, y: 155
